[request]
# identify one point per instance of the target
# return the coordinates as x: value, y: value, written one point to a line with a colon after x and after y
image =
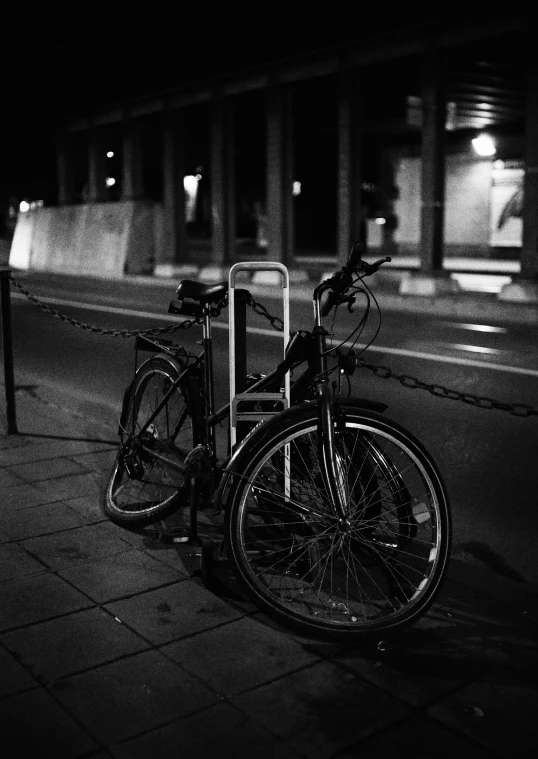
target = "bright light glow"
x: 198, y: 177
x: 110, y: 154
x: 296, y: 189
x: 109, y: 181
x: 484, y: 145
x: 190, y: 184
x: 380, y: 220
x: 498, y: 164
x: 24, y: 206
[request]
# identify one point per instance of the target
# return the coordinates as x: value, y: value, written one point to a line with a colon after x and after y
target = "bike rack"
x: 238, y: 352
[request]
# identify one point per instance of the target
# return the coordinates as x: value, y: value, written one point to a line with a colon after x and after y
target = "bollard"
x: 7, y: 345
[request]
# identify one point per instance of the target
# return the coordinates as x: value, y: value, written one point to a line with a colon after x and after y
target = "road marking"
x: 272, y: 333
x: 474, y: 349
x: 477, y: 327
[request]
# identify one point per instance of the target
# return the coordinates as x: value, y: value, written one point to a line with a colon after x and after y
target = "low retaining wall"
x: 98, y: 239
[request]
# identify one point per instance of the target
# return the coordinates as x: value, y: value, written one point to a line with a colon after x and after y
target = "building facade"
x: 423, y: 145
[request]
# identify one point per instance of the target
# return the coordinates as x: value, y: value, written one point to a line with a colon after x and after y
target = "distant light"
x: 484, y: 145
x: 199, y: 169
x: 24, y: 206
x: 498, y: 164
x: 190, y: 184
x: 110, y: 154
x: 380, y: 220
x: 109, y: 181
x: 198, y: 177
x: 296, y: 189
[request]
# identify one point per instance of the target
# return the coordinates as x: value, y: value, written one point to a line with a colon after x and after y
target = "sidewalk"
x: 111, y: 646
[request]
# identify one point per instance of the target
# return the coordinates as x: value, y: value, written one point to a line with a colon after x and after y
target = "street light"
x: 484, y: 145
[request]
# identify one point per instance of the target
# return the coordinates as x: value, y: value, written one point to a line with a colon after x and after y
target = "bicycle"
x: 336, y: 519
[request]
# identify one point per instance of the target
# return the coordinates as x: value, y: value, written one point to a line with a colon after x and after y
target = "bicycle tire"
x: 144, y: 486
x: 293, y: 558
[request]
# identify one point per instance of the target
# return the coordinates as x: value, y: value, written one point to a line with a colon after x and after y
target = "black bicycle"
x: 335, y: 519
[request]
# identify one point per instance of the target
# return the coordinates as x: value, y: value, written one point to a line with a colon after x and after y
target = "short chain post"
x: 7, y: 345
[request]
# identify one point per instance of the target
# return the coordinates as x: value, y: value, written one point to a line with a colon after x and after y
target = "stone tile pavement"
x: 111, y: 646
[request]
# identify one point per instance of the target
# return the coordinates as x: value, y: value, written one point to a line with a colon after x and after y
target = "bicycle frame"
x: 317, y: 370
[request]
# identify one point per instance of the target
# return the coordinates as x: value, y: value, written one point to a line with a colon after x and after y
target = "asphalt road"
x: 487, y: 457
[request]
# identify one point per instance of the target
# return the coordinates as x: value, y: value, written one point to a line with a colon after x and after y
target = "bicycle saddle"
x: 189, y: 288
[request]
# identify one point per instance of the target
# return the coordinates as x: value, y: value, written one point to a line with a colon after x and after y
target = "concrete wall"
x: 99, y: 239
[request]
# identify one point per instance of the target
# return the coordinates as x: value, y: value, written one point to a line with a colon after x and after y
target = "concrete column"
x: 133, y: 185
x: 96, y: 167
x: 349, y: 170
x: 279, y: 174
x: 65, y: 168
x: 524, y: 288
x: 432, y: 280
x: 173, y: 190
x: 220, y: 221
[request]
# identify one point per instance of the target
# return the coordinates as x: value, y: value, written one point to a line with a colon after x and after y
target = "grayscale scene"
x: 269, y: 397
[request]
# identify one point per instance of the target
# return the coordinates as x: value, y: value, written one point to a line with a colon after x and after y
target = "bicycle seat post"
x: 208, y: 374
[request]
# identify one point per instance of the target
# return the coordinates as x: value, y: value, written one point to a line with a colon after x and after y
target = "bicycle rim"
x: 378, y: 570
x: 147, y: 479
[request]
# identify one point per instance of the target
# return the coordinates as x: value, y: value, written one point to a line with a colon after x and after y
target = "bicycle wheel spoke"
x: 377, y: 567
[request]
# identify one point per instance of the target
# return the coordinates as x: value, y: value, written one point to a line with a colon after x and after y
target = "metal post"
x: 7, y: 344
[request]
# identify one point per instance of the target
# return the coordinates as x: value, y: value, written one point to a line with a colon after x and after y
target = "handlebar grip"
x: 332, y: 300
x: 354, y: 258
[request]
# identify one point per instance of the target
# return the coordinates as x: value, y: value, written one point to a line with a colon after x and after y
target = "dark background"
x: 57, y: 67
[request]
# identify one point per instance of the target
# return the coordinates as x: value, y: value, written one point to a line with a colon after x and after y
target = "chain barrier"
x: 408, y: 381
x: 413, y: 383
x: 275, y: 322
x: 187, y: 324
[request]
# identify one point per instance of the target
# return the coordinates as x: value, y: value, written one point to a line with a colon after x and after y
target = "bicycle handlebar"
x: 341, y: 280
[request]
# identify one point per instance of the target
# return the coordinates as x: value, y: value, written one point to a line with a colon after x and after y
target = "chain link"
x: 187, y: 324
x: 275, y: 322
x: 413, y: 383
x: 406, y: 380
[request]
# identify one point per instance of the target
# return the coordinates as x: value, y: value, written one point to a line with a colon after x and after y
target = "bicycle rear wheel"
x: 375, y: 571
x: 147, y: 481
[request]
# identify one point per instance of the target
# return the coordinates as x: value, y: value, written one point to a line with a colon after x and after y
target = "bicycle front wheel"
x: 374, y: 571
x: 148, y: 477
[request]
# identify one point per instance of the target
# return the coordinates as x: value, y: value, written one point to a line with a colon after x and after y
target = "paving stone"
x: 321, y: 709
x: 72, y: 643
x: 418, y: 672
x: 15, y: 677
x: 101, y: 461
x: 8, y: 479
x: 239, y: 656
x: 40, y: 520
x: 46, y: 470
x: 173, y: 612
x: 73, y: 486
x: 33, y: 599
x: 16, y: 562
x: 79, y: 545
x: 87, y: 507
x: 26, y: 496
x: 417, y: 737
x: 47, y: 450
x: 132, y: 696
x: 220, y: 731
x: 123, y: 574
x: 499, y: 712
x: 36, y: 725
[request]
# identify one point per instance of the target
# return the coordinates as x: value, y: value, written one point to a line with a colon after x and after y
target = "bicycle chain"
x: 440, y: 391
x: 406, y: 380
